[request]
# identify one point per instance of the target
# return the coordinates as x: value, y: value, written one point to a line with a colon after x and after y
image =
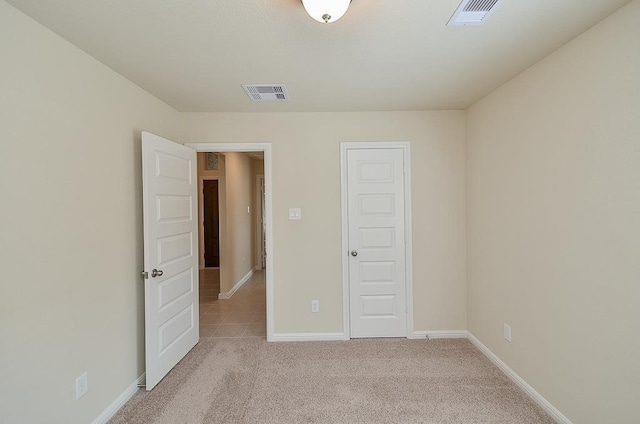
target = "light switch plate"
x: 82, y: 385
x: 295, y: 213
x: 507, y: 332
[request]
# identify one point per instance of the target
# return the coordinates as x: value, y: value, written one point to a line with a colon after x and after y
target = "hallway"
x: 242, y: 316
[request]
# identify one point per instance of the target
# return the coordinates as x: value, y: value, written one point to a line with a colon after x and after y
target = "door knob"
x: 156, y: 273
x: 354, y: 253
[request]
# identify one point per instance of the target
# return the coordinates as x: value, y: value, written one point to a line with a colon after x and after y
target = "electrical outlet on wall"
x: 507, y: 332
x: 295, y: 213
x: 82, y: 385
x: 315, y: 306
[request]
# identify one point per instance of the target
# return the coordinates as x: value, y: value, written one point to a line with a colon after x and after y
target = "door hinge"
x: 145, y: 275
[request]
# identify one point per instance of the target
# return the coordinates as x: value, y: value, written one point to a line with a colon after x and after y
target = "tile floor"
x: 244, y: 315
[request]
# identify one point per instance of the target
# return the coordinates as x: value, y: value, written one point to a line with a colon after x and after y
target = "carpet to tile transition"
x: 357, y: 381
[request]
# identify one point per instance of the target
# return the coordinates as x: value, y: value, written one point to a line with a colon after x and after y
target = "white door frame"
x: 259, y: 253
x: 406, y: 148
x: 268, y: 181
x: 201, y: 180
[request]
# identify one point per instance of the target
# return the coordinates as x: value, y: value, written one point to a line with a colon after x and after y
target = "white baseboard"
x: 537, y: 397
x: 439, y: 334
x: 306, y: 337
x: 236, y: 286
x: 115, y: 406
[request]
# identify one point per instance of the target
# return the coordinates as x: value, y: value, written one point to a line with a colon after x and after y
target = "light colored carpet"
x: 357, y: 381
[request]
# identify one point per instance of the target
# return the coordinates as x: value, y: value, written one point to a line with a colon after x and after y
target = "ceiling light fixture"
x: 326, y: 11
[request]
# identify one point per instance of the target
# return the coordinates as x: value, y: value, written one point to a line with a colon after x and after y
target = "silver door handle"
x: 354, y: 253
x: 156, y: 273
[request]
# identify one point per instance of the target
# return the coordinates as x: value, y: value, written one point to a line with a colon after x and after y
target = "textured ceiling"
x: 382, y: 55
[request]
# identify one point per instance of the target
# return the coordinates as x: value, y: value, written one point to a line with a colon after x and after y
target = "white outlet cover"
x: 315, y: 306
x: 295, y: 213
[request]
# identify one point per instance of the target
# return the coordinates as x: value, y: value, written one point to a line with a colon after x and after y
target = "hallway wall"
x: 237, y: 243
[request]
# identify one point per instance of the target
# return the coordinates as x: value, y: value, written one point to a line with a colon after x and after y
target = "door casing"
x: 406, y: 148
x: 259, y: 223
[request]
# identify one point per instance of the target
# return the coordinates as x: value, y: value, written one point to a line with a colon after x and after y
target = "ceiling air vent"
x: 473, y: 12
x: 266, y: 92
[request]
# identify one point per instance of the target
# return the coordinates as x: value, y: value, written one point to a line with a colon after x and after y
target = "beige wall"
x: 257, y: 168
x: 553, y: 177
x: 225, y: 274
x: 237, y: 246
x: 71, y: 222
x: 202, y: 167
x: 306, y: 174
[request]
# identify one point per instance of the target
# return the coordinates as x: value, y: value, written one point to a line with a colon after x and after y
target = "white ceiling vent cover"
x: 473, y: 12
x: 266, y: 92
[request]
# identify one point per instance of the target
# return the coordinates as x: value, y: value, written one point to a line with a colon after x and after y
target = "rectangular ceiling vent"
x: 266, y: 92
x: 473, y: 12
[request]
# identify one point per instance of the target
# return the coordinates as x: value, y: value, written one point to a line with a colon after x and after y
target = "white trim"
x: 115, y: 406
x: 406, y: 148
x: 306, y: 337
x: 408, y: 234
x: 440, y: 334
x: 237, y: 285
x: 268, y: 184
x: 344, y: 201
x: 530, y: 391
x: 258, y: 213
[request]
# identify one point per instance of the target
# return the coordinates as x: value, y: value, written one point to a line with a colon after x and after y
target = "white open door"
x: 169, y: 184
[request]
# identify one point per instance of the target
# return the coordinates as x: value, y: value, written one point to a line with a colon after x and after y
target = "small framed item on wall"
x: 212, y: 161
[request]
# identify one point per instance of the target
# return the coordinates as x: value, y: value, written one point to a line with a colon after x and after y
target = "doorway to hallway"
x: 242, y: 209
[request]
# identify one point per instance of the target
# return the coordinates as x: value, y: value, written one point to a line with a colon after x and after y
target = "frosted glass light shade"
x: 326, y: 11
